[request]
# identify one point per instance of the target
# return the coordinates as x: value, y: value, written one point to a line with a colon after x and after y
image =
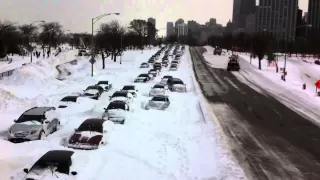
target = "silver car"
x: 35, y: 123
x: 158, y: 89
x: 159, y: 102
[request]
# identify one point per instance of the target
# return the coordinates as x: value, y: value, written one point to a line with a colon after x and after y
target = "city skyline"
x: 76, y: 15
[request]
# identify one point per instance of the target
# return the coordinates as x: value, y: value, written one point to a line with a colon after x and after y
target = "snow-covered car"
x: 144, y: 65
x: 88, y: 136
x: 116, y: 111
x: 106, y: 85
x: 158, y: 89
x: 175, y: 62
x: 159, y: 102
x: 66, y: 101
x: 173, y: 67
x: 34, y: 124
x: 153, y: 72
x: 177, y: 85
x: 143, y: 78
x: 54, y: 164
x: 166, y: 77
x: 151, y: 60
x: 131, y: 89
x: 165, y: 63
x: 157, y: 66
x: 122, y: 96
x: 93, y: 92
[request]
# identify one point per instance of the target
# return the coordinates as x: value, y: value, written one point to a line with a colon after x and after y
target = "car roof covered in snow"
x: 38, y: 110
x: 94, y: 121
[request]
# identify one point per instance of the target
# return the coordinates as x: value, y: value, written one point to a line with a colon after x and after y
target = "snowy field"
x: 178, y: 143
x: 268, y: 82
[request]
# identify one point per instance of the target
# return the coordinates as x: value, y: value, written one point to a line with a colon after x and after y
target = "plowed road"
x: 269, y: 140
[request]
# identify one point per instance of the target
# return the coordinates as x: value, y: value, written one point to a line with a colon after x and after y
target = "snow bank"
x: 217, y: 61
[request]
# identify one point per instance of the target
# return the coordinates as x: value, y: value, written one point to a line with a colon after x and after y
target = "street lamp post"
x: 93, y: 21
x: 31, y: 44
x: 121, y: 49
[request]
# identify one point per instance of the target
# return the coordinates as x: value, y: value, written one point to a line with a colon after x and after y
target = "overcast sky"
x: 75, y: 15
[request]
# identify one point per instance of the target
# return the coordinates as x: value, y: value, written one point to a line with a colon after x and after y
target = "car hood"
x: 86, y: 137
x: 115, y: 112
x: 45, y: 174
x: 26, y: 126
x: 157, y: 90
x: 178, y: 85
x: 91, y: 91
x: 119, y: 99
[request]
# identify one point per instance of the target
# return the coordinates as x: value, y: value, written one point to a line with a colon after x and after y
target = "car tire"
x: 42, y: 135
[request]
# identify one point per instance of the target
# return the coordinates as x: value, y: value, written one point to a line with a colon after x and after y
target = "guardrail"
x: 6, y: 74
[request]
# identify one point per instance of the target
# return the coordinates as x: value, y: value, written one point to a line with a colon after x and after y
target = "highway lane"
x: 269, y: 140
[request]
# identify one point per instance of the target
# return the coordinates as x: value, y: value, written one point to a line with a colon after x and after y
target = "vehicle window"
x: 26, y: 118
x: 128, y: 88
x: 91, y: 127
x: 143, y: 75
x: 92, y: 87
x: 102, y: 82
x: 116, y: 106
x: 119, y: 95
x: 177, y: 82
x: 158, y: 99
x: 158, y: 86
x: 69, y: 99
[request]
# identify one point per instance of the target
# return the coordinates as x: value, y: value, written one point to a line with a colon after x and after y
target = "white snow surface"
x: 178, y: 143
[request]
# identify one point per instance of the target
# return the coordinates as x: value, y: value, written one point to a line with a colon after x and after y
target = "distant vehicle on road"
x: 233, y: 64
x: 159, y: 102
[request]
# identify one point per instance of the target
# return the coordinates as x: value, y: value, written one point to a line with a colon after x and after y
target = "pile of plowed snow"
x: 11, y: 102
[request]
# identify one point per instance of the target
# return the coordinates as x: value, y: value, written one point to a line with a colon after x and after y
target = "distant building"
x: 182, y: 29
x: 305, y: 17
x: 229, y: 27
x: 278, y: 17
x: 170, y: 29
x: 251, y: 23
x: 314, y: 19
x: 152, y: 29
x: 300, y: 32
x: 241, y: 9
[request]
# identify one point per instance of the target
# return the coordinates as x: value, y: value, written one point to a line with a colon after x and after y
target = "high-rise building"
x: 170, y: 29
x: 182, y: 29
x: 314, y: 18
x: 300, y: 32
x: 241, y: 9
x: 152, y: 29
x: 251, y: 23
x: 278, y: 17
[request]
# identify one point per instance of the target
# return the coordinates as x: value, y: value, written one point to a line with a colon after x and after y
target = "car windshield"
x: 62, y: 167
x: 91, y: 127
x: 102, y: 82
x: 69, y: 99
x: 116, y: 106
x: 177, y: 82
x: 26, y: 118
x: 92, y: 87
x: 119, y: 94
x: 168, y: 77
x: 128, y: 88
x: 158, y: 99
x: 143, y: 75
x: 158, y: 86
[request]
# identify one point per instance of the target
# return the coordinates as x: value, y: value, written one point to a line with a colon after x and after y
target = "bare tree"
x: 140, y: 27
x: 27, y: 31
x: 50, y: 34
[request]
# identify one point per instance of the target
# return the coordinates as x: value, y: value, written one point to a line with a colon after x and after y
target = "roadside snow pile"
x: 10, y: 102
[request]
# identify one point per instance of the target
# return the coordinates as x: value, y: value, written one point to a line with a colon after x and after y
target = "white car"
x: 158, y: 89
x: 106, y: 85
x: 116, y: 111
x: 74, y: 104
x: 131, y: 89
x: 122, y: 96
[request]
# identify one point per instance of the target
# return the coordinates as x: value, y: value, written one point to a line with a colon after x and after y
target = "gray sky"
x: 75, y: 15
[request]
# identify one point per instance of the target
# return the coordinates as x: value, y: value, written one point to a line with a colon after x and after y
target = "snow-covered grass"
x: 179, y: 143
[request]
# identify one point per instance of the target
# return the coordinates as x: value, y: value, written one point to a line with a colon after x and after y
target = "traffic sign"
x: 92, y: 60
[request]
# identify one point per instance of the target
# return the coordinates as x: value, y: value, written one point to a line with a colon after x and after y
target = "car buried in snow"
x: 54, y: 164
x: 116, y: 111
x: 177, y: 85
x: 153, y: 72
x: 159, y: 102
x: 151, y: 60
x: 106, y: 85
x: 158, y: 89
x: 144, y: 65
x: 173, y: 67
x: 131, y: 89
x: 143, y: 78
x: 122, y: 96
x: 93, y: 92
x: 66, y: 101
x: 34, y: 124
x: 88, y: 136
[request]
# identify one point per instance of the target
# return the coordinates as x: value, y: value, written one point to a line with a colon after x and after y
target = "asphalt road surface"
x: 269, y: 140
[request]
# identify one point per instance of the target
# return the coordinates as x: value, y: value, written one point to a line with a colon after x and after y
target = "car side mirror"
x: 75, y: 129
x: 74, y: 173
x: 26, y: 170
x: 15, y: 120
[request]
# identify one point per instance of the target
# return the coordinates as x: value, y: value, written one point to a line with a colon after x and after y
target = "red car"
x: 89, y: 135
